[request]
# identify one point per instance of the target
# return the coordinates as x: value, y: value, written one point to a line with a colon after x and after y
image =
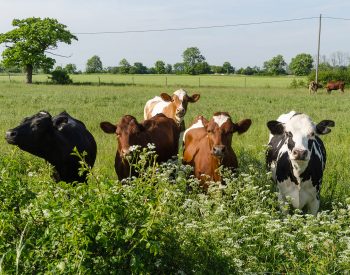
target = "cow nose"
x: 218, y: 150
x: 11, y: 134
x: 299, y: 154
x: 180, y: 111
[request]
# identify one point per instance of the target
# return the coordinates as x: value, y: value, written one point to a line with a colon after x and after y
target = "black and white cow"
x: 297, y: 157
x: 53, y: 139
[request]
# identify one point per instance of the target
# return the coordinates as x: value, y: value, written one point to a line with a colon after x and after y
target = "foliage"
x: 297, y: 83
x: 336, y: 74
x: 301, y: 64
x: 71, y: 68
x: 159, y: 66
x: 28, y: 44
x: 161, y: 223
x: 179, y: 68
x: 194, y: 62
x: 139, y: 68
x: 60, y: 77
x: 168, y: 69
x: 124, y: 66
x: 227, y: 68
x: 94, y: 65
x: 275, y: 66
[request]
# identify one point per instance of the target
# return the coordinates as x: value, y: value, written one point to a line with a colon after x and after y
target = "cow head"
x: 30, y: 135
x: 180, y: 99
x: 125, y: 130
x: 220, y: 129
x: 299, y: 132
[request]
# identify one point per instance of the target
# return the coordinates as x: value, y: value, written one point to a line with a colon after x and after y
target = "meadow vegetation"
x: 161, y: 222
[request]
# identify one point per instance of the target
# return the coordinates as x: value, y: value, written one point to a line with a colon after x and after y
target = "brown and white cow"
x: 335, y: 85
x: 174, y: 106
x: 158, y: 130
x: 207, y: 145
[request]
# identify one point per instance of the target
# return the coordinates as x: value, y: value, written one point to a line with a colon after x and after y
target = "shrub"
x: 60, y: 77
x: 325, y: 76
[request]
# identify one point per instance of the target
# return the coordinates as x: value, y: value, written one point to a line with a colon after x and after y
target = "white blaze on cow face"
x: 220, y: 119
x: 178, y: 98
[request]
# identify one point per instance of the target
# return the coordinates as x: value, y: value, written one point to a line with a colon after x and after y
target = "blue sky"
x: 241, y: 46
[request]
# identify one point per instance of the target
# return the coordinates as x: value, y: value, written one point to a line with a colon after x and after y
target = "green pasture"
x: 233, y: 81
x: 161, y: 222
x: 93, y: 104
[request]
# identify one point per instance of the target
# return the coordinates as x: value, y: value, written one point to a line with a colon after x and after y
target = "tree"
x: 191, y: 58
x: 94, y: 65
x: 227, y: 68
x: 168, y: 69
x: 159, y: 66
x: 140, y: 68
x: 124, y: 66
x: 70, y: 68
x: 179, y: 68
x: 301, y: 64
x: 275, y: 66
x: 28, y: 44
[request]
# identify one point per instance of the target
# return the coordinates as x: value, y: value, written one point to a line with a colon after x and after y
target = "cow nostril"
x: 11, y: 134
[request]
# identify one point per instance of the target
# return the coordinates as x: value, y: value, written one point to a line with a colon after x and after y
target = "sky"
x: 242, y: 46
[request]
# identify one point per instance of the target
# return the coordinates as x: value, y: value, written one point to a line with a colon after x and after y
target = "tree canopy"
x: 94, y: 65
x: 194, y: 61
x: 301, y: 64
x: 275, y: 66
x: 33, y: 38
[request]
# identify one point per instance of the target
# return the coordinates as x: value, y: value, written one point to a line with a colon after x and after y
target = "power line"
x: 336, y: 18
x: 200, y: 27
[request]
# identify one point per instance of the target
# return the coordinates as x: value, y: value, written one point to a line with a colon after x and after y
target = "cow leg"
x: 313, y: 206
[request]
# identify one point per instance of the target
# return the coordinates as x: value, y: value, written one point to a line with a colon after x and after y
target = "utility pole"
x: 318, y: 49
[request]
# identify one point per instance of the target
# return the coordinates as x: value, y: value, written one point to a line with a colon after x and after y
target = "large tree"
x: 301, y: 64
x: 94, y: 65
x: 275, y: 66
x: 193, y: 61
x: 33, y: 38
x: 227, y: 68
x: 159, y: 66
x: 124, y: 66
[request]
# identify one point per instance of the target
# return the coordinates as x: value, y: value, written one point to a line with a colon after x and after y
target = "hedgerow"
x: 161, y: 222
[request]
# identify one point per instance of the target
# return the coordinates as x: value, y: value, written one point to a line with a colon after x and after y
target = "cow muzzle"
x: 218, y: 151
x: 180, y: 112
x: 11, y: 136
x: 299, y: 154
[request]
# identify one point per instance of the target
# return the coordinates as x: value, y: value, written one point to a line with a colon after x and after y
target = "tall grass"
x: 156, y: 223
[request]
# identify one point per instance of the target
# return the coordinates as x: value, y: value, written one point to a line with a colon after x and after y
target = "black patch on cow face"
x: 290, y: 141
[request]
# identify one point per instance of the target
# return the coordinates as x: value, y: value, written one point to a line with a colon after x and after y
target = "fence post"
x: 245, y: 82
x: 9, y: 78
x: 199, y: 81
x: 99, y: 81
x: 133, y: 81
x: 166, y: 81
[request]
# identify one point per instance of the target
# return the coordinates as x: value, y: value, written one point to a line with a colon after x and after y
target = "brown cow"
x: 335, y: 85
x: 159, y: 130
x: 208, y: 145
x: 174, y: 106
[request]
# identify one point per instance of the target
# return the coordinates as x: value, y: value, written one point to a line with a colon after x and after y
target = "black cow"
x: 297, y: 158
x: 53, y: 139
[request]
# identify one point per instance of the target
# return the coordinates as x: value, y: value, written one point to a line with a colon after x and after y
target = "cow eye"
x: 312, y: 134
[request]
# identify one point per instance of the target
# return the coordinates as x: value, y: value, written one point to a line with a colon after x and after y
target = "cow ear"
x: 59, y: 122
x: 166, y: 97
x: 275, y: 127
x: 322, y: 127
x: 194, y: 98
x: 243, y: 126
x: 108, y: 127
x: 204, y: 121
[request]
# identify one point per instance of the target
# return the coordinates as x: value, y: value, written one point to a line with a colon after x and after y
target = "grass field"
x: 160, y: 228
x: 234, y: 81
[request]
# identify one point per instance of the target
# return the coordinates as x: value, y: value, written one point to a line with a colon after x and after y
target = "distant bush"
x: 297, y: 83
x: 325, y: 76
x: 59, y: 76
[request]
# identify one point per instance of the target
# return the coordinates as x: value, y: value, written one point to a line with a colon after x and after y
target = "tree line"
x: 27, y: 46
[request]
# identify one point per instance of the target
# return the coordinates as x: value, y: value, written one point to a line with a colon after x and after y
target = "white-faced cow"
x: 297, y: 158
x: 53, y: 139
x: 207, y: 145
x: 158, y: 130
x: 174, y: 106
